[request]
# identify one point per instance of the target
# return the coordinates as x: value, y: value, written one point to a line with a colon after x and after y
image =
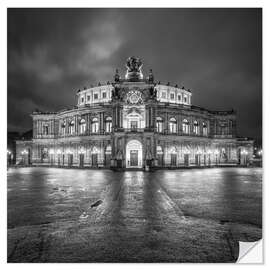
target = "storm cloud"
x: 217, y: 53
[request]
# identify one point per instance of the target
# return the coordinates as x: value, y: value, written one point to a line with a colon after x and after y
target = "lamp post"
x: 244, y: 153
x: 70, y: 157
x: 59, y: 152
x: 199, y: 157
x: 51, y: 152
x: 209, y: 152
x: 24, y: 152
x: 186, y: 157
x: 9, y: 157
x: 260, y: 152
x: 81, y: 157
x: 216, y: 152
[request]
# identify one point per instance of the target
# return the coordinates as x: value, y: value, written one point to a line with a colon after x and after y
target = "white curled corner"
x: 250, y: 252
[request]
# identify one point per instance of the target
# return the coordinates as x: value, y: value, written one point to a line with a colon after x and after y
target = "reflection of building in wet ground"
x: 170, y: 216
x: 135, y: 122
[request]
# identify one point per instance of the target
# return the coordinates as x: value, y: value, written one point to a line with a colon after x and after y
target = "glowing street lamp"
x: 9, y: 157
x: 24, y: 153
x: 199, y: 153
x: 244, y: 153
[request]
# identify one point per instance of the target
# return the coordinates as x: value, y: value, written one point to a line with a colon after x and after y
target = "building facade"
x: 135, y: 123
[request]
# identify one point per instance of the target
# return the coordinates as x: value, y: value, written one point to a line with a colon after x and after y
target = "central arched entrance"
x: 134, y: 154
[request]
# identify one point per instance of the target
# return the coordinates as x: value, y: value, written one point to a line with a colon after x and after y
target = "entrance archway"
x: 134, y: 154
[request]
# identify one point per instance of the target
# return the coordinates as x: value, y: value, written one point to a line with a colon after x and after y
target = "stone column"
x: 101, y: 116
x: 38, y: 127
x: 149, y: 116
x: 146, y: 117
x: 34, y: 129
x: 167, y: 122
x: 113, y: 118
x: 116, y: 116
x: 88, y: 124
x: 121, y: 117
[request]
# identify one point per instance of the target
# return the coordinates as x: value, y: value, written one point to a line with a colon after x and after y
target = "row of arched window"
x: 186, y: 126
x: 94, y: 126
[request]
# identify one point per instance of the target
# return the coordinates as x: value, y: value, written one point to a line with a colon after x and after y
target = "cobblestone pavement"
x: 69, y: 215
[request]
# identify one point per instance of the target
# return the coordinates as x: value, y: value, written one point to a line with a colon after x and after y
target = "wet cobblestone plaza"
x: 70, y: 215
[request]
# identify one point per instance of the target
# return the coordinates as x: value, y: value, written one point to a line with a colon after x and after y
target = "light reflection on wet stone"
x: 165, y: 216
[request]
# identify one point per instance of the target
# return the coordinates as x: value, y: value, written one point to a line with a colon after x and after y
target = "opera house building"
x: 134, y: 122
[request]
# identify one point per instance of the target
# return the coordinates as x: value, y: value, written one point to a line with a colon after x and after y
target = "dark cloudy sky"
x: 214, y: 52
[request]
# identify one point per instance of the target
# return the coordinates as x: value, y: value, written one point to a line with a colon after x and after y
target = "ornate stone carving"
x: 134, y: 97
x: 134, y: 66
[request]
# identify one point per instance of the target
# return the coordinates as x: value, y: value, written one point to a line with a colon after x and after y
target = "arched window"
x: 204, y: 128
x: 173, y: 153
x: 71, y: 127
x: 82, y: 126
x: 45, y: 129
x: 63, y: 128
x: 95, y: 126
x: 159, y: 149
x: 196, y: 127
x: 172, y: 125
x: 108, y: 124
x: 185, y: 126
x: 108, y: 150
x: 159, y: 124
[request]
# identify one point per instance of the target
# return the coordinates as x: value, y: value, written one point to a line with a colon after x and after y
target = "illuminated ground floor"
x: 135, y: 151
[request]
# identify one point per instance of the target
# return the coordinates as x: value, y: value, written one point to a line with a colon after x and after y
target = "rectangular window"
x: 163, y: 95
x: 95, y: 96
x: 172, y: 95
x: 179, y: 97
x: 82, y: 99
x: 88, y: 98
x: 185, y: 99
x: 104, y: 95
